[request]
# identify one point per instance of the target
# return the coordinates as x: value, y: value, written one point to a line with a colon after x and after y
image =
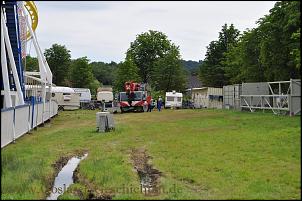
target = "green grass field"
x: 202, y: 154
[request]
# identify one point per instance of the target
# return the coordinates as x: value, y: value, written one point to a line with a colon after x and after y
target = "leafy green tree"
x: 93, y: 86
x: 147, y: 48
x: 58, y: 58
x: 81, y: 74
x: 126, y: 71
x: 104, y: 72
x: 169, y: 72
x: 212, y: 69
x: 279, y: 46
x: 242, y: 62
x: 211, y: 72
x: 296, y: 51
x: 31, y: 64
x: 269, y: 52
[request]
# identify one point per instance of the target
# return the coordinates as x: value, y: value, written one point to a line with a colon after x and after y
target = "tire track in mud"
x: 149, y: 177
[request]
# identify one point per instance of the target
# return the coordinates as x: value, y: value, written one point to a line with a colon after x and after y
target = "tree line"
x: 77, y: 73
x: 269, y: 52
x: 151, y: 58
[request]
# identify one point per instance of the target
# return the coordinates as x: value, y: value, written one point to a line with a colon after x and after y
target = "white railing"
x: 276, y: 103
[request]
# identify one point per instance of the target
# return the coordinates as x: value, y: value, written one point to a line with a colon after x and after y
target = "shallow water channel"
x: 65, y: 177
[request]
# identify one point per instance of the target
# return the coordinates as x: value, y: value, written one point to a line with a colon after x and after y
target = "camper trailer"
x: 106, y: 99
x: 173, y: 100
x: 66, y: 97
x: 106, y: 96
x: 85, y: 95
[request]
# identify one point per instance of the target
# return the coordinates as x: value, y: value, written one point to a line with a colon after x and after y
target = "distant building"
x: 206, y: 97
x: 193, y: 82
x: 202, y: 96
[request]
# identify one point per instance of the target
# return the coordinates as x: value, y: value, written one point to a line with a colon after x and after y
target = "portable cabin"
x: 207, y: 97
x: 173, y: 100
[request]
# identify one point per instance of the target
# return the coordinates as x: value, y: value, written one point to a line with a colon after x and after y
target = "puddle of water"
x: 146, y: 182
x: 149, y: 177
x: 65, y: 177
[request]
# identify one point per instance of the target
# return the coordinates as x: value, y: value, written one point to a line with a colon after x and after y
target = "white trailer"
x: 104, y: 96
x: 66, y: 97
x: 106, y: 99
x: 173, y: 100
x: 85, y: 95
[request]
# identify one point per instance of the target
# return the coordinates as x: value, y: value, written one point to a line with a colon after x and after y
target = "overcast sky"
x: 102, y: 30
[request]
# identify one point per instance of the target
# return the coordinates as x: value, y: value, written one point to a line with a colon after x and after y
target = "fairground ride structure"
x: 20, y: 88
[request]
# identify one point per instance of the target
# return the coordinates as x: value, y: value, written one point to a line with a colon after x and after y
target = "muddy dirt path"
x: 149, y: 177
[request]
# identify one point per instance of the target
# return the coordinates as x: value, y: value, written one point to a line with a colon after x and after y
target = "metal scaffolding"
x: 284, y: 97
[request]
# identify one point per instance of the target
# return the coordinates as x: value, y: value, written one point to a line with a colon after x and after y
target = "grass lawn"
x: 202, y: 154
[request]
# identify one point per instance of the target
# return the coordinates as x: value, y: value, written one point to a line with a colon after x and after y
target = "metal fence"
x: 281, y: 97
x: 231, y: 96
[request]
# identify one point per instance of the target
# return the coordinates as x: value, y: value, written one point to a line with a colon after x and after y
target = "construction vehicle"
x: 134, y: 98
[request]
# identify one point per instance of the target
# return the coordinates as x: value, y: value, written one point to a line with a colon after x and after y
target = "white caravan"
x: 85, y: 95
x: 66, y: 97
x: 173, y: 100
x: 106, y: 98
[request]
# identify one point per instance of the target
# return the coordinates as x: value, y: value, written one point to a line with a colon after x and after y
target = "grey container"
x: 104, y: 121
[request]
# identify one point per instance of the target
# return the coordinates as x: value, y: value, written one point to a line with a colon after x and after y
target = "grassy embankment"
x: 204, y: 154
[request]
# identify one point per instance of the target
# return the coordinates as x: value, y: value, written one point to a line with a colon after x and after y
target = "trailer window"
x: 170, y: 98
x: 178, y: 99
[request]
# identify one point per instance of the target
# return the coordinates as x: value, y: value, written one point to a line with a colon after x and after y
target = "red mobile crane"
x: 134, y: 98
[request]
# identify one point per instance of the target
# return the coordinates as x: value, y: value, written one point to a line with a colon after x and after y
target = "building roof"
x: 197, y: 88
x: 194, y: 82
x: 202, y: 88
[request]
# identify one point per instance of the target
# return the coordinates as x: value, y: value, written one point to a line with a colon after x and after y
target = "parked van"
x: 66, y: 97
x: 173, y: 100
